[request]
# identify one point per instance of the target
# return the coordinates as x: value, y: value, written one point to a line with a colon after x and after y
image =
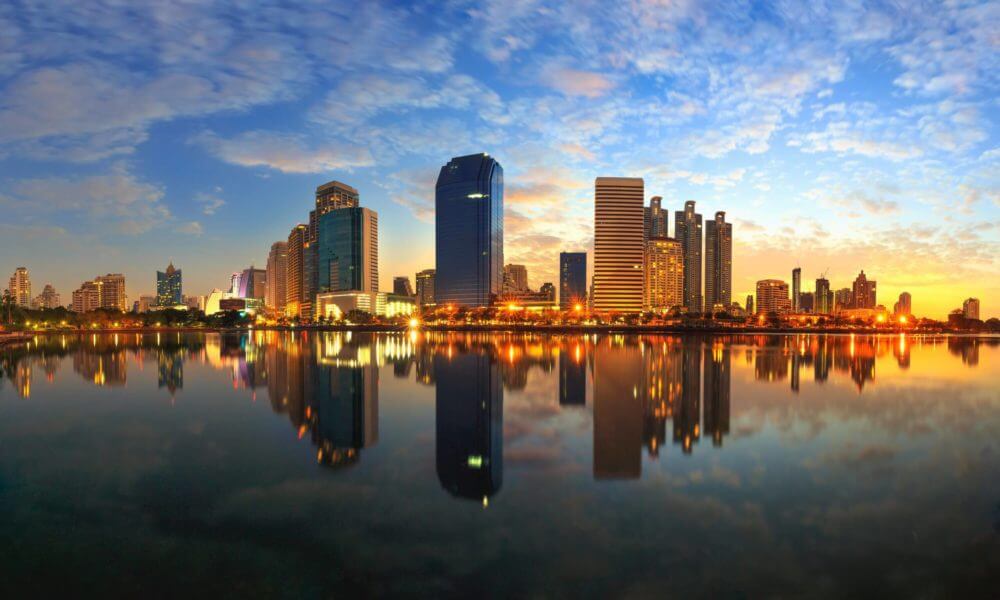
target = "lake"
x: 294, y: 464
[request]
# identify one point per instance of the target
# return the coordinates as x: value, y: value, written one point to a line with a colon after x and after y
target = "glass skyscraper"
x: 168, y: 287
x: 687, y: 231
x: 469, y: 231
x: 572, y: 279
x: 347, y: 250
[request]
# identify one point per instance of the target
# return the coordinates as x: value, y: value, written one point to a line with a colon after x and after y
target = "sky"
x: 836, y: 135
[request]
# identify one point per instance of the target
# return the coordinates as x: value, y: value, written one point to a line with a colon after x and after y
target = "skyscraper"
x: 749, y: 307
x: 347, y: 251
x: 655, y: 219
x: 687, y: 231
x: 863, y: 292
x: 618, y: 245
x: 20, y: 287
x: 824, y: 297
x: 572, y: 279
x: 718, y: 263
x: 664, y: 272
x: 425, y: 287
x: 904, y: 306
x: 515, y: 279
x: 298, y: 243
x: 401, y: 286
x: 469, y: 231
x: 49, y: 298
x: 796, y: 289
x: 772, y: 296
x: 277, y: 276
x: 331, y: 196
x: 168, y: 287
x: 970, y: 308
x: 112, y: 288
x: 253, y: 283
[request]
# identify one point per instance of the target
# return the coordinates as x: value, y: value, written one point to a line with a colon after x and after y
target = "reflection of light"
x: 475, y: 461
x: 486, y: 502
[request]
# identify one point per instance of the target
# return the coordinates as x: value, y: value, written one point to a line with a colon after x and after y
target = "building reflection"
x: 573, y: 375
x: 687, y: 416
x: 170, y: 370
x: 717, y: 390
x: 469, y: 419
x: 966, y: 348
x: 618, y: 415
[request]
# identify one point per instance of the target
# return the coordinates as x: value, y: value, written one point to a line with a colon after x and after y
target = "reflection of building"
x: 344, y: 404
x: 170, y: 370
x: 469, y: 231
x: 573, y: 376
x: 618, y: 244
x: 966, y: 348
x: 469, y: 417
x: 618, y: 422
x: 717, y: 389
x: 687, y: 414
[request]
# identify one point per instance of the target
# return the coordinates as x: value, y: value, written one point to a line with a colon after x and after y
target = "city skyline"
x: 873, y: 145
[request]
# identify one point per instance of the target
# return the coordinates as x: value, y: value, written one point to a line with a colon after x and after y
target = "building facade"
x: 425, y: 287
x: 49, y: 298
x: 347, y: 251
x: 863, y: 292
x: 664, y: 272
x: 298, y: 244
x: 331, y: 196
x: 796, y: 290
x: 572, y: 279
x: 655, y: 219
x: 468, y: 205
x: 515, y: 279
x: 772, y: 296
x: 618, y: 247
x: 401, y: 286
x: 687, y: 231
x: 277, y: 276
x: 970, y: 308
x: 20, y: 287
x: 168, y: 286
x: 903, y: 306
x: 824, y: 297
x: 718, y: 263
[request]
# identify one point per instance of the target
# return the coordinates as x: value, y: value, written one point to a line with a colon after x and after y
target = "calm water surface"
x: 332, y: 464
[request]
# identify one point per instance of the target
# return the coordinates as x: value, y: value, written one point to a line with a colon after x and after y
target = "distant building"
x: 469, y: 231
x: 348, y: 251
x: 843, y: 299
x: 655, y: 219
x: 425, y: 287
x: 863, y: 292
x: 664, y: 273
x: 572, y: 279
x: 515, y: 279
x: 277, y: 276
x: 772, y: 296
x: 47, y: 299
x: 618, y: 246
x: 796, y: 289
x: 824, y: 297
x: 253, y: 284
x: 548, y: 289
x: 807, y: 302
x: 335, y: 305
x: 903, y: 306
x: 194, y: 302
x: 295, y: 288
x: 168, y: 286
x: 970, y: 308
x: 105, y: 291
x: 146, y: 303
x: 331, y: 196
x: 687, y: 231
x: 718, y: 263
x: 401, y: 286
x: 749, y: 304
x: 20, y: 287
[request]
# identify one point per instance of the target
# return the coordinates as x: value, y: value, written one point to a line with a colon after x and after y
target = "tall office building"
x: 796, y: 290
x: 618, y: 246
x: 863, y: 292
x: 425, y: 287
x: 112, y: 291
x: 654, y: 221
x: 469, y: 231
x: 904, y: 306
x: 401, y: 286
x: 168, y: 286
x: 664, y: 272
x: 298, y: 244
x: 277, y: 276
x: 49, y: 298
x: 772, y: 296
x: 843, y: 299
x: 86, y: 298
x: 253, y: 283
x: 970, y: 308
x: 718, y: 263
x: 20, y: 287
x: 824, y: 297
x: 687, y: 231
x: 749, y: 306
x: 572, y: 279
x: 515, y: 279
x: 347, y: 251
x: 331, y: 196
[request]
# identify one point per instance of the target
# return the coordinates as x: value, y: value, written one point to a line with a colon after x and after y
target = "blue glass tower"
x: 347, y: 250
x: 168, y: 287
x: 469, y: 231
x: 572, y: 279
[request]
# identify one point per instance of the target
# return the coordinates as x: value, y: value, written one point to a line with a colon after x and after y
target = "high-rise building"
x: 807, y: 303
x: 970, y: 308
x: 548, y: 290
x: 687, y: 231
x: 112, y: 291
x: 718, y: 263
x: 20, y: 287
x: 515, y: 279
x: 253, y: 283
x: 796, y: 289
x: 749, y: 307
x: 298, y: 244
x: 401, y: 286
x: 904, y: 306
x: 331, y: 196
x: 824, y: 297
x: 469, y: 231
x: 168, y: 286
x: 425, y: 287
x: 277, y: 276
x: 772, y: 296
x: 347, y: 251
x: 572, y: 279
x: 664, y: 272
x: 654, y: 219
x: 618, y: 245
x: 87, y: 297
x: 47, y: 299
x: 843, y: 299
x: 863, y: 292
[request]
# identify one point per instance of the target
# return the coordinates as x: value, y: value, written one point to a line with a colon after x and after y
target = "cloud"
x: 573, y: 82
x: 285, y: 152
x: 210, y: 202
x: 839, y: 137
x: 191, y: 228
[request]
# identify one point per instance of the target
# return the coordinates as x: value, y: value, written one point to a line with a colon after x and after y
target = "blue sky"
x: 840, y: 135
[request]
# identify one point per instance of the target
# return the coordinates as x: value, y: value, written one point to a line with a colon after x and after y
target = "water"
x: 321, y: 465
